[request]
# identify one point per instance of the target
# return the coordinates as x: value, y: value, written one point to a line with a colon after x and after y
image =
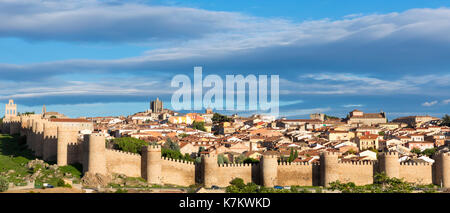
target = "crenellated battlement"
x: 123, y: 152
x: 177, y: 161
x: 357, y: 163
x: 236, y: 165
x: 73, y: 144
x: 97, y: 135
x: 415, y: 164
x: 295, y: 164
x: 152, y: 148
x: 389, y: 154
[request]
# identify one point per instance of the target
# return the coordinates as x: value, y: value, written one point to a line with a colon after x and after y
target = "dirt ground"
x: 50, y: 190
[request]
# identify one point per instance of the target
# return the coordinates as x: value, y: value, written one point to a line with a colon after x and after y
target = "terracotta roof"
x: 370, y: 136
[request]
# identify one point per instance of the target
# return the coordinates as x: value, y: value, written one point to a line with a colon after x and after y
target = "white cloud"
x: 427, y: 104
x: 446, y: 101
x: 226, y: 41
x: 299, y: 112
x: 348, y: 83
x: 352, y: 105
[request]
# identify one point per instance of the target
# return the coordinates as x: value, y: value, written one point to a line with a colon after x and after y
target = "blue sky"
x: 97, y: 58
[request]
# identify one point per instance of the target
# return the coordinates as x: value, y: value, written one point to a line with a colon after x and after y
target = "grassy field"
x: 14, y: 157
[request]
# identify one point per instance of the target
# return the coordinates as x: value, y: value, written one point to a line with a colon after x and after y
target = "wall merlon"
x: 123, y: 152
x: 389, y: 154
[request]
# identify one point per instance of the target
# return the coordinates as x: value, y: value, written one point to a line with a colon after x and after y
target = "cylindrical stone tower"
x: 389, y: 164
x: 39, y: 139
x: 49, y: 147
x: 28, y: 132
x: 210, y: 167
x: 269, y: 170
x: 23, y: 127
x: 33, y: 135
x: 65, y: 136
x: 329, y: 167
x: 97, y: 155
x: 445, y: 166
x: 151, y: 164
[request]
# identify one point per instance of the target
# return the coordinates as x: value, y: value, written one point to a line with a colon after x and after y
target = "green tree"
x: 429, y: 152
x: 199, y: 125
x: 291, y: 156
x: 221, y: 159
x: 328, y: 117
x: 129, y: 144
x: 218, y: 118
x: 201, y: 149
x: 416, y: 151
x: 250, y: 160
x: 172, y: 145
x: 198, y: 160
x: 445, y: 120
x: 25, y: 113
x: 240, y: 159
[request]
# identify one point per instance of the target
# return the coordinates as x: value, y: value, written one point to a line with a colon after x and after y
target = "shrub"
x: 4, y: 184
x: 121, y: 191
x: 251, y: 160
x: 174, y: 154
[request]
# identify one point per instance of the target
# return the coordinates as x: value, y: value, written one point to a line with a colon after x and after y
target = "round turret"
x: 49, y: 143
x: 269, y: 168
x: 65, y: 136
x: 97, y: 157
x: 445, y: 166
x: 389, y: 164
x: 39, y: 139
x: 329, y: 167
x: 33, y: 135
x: 210, y: 165
x: 151, y: 158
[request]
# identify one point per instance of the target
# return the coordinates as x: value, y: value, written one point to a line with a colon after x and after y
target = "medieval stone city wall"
x: 121, y: 162
x: 306, y: 173
x: 360, y: 173
x: 63, y: 144
x: 420, y: 173
x: 177, y: 172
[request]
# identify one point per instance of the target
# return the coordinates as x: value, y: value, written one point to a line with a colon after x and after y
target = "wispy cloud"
x: 446, y: 101
x: 300, y: 112
x: 355, y: 55
x: 431, y: 103
x: 353, y: 105
x: 358, y: 84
